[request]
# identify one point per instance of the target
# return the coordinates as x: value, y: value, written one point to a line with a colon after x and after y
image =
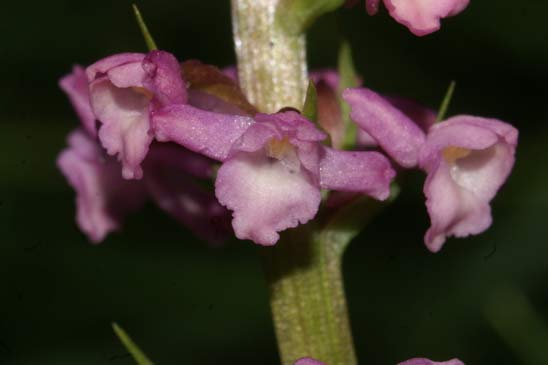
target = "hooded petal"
x: 422, y: 361
x: 207, y: 133
x: 394, y: 131
x: 265, y: 196
x: 365, y: 172
x: 124, y: 90
x: 103, y: 198
x: 423, y: 17
x: 467, y: 160
x: 169, y: 178
x: 76, y: 86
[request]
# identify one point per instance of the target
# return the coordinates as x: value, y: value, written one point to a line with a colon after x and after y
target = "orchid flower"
x: 466, y: 159
x: 104, y: 198
x: 274, y: 166
x: 124, y: 90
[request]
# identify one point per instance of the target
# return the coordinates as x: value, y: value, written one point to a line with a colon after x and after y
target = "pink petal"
x: 423, y: 16
x: 365, y: 172
x: 76, y: 86
x: 265, y: 196
x: 163, y: 78
x: 207, y: 133
x: 124, y: 115
x: 395, y: 132
x: 103, y: 198
x: 102, y: 67
x: 422, y: 116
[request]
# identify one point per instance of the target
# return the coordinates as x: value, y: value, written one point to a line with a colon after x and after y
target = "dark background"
x: 483, y: 299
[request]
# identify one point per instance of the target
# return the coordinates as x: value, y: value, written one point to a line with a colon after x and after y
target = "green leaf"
x: 310, y: 108
x: 446, y: 101
x: 138, y: 355
x: 297, y: 15
x: 348, y: 78
x: 144, y: 29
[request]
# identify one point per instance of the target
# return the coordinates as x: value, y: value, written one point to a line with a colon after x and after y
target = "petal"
x: 422, y: 361
x: 365, y: 172
x: 396, y: 133
x: 308, y: 361
x: 102, y: 67
x: 207, y: 133
x: 422, y: 116
x: 452, y: 210
x: 103, y: 198
x: 169, y: 171
x: 76, y: 86
x: 124, y: 115
x: 164, y: 78
x: 423, y: 16
x: 265, y: 196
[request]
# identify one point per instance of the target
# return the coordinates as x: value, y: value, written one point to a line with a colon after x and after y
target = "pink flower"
x: 466, y: 159
x: 125, y: 89
x: 422, y: 17
x: 104, y: 198
x: 274, y: 166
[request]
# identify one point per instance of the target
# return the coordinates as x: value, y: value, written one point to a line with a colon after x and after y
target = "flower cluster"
x: 152, y: 128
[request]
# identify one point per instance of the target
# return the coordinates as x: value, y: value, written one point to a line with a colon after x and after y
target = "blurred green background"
x: 482, y: 299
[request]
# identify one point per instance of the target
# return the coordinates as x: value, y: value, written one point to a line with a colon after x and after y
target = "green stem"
x: 303, y: 270
x: 307, y: 298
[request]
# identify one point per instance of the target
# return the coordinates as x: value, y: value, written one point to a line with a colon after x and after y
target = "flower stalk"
x: 303, y: 269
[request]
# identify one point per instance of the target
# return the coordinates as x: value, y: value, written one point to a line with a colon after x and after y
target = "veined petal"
x: 208, y: 133
x: 265, y: 196
x: 103, y: 198
x: 395, y: 132
x: 423, y: 361
x: 423, y: 16
x: 365, y: 172
x: 76, y: 86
